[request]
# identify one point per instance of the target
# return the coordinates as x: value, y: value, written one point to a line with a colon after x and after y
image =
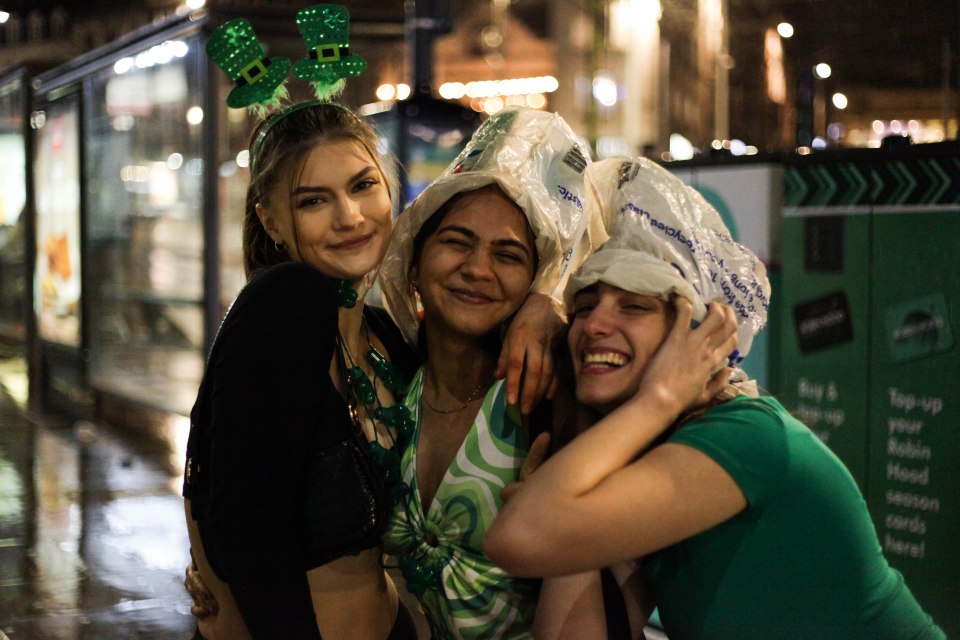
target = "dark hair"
x: 431, y: 224
x: 563, y: 366
x: 492, y: 342
x: 283, y: 140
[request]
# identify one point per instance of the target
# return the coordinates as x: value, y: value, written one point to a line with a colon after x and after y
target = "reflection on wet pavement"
x: 92, y: 539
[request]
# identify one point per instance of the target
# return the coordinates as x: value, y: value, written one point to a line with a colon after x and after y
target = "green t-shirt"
x: 801, y: 561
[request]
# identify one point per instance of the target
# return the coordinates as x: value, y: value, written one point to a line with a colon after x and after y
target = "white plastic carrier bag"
x: 538, y: 162
x: 666, y: 239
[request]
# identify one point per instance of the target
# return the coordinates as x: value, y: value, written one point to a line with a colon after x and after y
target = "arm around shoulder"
x: 605, y: 494
x: 593, y: 498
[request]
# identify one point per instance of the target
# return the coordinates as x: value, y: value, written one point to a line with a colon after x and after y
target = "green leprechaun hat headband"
x: 259, y: 80
x: 324, y: 28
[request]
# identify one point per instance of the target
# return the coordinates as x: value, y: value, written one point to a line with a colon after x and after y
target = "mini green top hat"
x: 235, y: 49
x: 324, y: 28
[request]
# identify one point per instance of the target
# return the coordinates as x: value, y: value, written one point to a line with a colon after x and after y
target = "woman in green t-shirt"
x: 745, y: 524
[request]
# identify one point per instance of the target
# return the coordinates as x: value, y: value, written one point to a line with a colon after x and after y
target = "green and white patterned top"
x: 463, y: 593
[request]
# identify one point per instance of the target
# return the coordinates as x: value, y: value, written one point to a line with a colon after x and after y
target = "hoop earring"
x: 279, y: 246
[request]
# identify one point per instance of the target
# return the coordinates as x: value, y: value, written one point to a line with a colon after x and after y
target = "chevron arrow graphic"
x: 795, y: 187
x: 826, y: 186
x: 905, y: 183
x: 858, y: 184
x: 877, y: 180
x: 939, y: 181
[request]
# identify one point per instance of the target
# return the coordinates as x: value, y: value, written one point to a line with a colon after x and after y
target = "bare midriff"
x: 353, y: 597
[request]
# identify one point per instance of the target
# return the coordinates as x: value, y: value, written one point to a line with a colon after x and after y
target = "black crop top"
x: 265, y: 408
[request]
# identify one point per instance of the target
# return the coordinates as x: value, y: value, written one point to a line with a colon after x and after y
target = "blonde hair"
x: 283, y: 140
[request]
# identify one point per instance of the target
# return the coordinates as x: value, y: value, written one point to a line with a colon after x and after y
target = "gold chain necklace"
x: 473, y: 396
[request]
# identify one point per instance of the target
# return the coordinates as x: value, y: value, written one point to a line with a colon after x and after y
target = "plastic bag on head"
x: 537, y: 161
x: 665, y: 239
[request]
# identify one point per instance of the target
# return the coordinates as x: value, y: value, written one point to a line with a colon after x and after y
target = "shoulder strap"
x: 540, y: 420
x: 614, y: 607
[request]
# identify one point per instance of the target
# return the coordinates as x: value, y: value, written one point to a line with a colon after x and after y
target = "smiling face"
x: 613, y: 335
x: 475, y: 269
x: 332, y: 211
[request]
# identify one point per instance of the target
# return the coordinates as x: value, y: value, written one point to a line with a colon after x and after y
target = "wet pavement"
x: 92, y: 538
x: 93, y: 543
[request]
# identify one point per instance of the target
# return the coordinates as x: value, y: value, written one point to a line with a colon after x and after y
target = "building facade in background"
x: 665, y: 78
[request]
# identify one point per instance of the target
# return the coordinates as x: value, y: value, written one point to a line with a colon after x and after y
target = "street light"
x: 4, y: 16
x: 785, y: 29
x: 822, y: 70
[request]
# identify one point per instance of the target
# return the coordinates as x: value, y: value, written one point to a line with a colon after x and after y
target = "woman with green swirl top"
x: 460, y: 264
x: 296, y: 420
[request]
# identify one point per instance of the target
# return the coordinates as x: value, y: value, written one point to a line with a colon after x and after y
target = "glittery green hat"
x: 324, y: 28
x: 235, y: 49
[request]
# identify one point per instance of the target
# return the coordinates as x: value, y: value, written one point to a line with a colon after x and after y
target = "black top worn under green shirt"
x: 266, y: 406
